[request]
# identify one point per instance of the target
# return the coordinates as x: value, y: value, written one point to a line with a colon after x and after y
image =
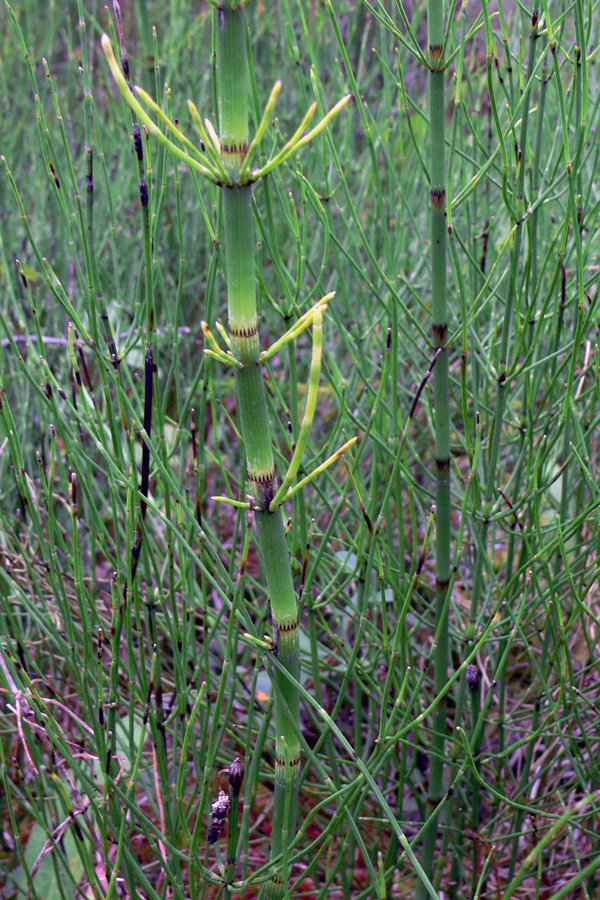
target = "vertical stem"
x: 255, y: 426
x: 437, y: 193
x: 526, y: 403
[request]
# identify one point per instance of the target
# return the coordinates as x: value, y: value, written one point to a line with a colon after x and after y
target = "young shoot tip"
x: 112, y: 60
x: 239, y: 504
x: 266, y: 644
x: 210, y: 128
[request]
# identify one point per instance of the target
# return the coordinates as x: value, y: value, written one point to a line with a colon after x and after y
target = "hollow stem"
x: 437, y: 195
x: 253, y: 414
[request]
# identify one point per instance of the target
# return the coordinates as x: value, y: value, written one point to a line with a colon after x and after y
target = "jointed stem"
x: 437, y: 192
x: 225, y: 159
x: 253, y: 414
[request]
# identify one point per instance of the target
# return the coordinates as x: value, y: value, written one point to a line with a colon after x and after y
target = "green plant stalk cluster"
x: 523, y: 241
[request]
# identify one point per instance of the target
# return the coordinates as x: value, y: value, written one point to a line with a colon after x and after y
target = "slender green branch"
x: 208, y: 171
x: 309, y: 409
x: 297, y: 328
x: 296, y: 143
x: 319, y: 469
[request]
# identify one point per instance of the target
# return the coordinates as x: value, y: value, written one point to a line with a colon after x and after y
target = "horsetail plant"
x: 437, y: 195
x: 225, y: 159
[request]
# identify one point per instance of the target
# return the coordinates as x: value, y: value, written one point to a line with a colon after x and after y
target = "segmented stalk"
x: 437, y: 194
x: 253, y: 414
x: 225, y: 160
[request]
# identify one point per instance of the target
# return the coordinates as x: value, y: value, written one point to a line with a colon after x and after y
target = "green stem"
x: 437, y: 192
x: 255, y: 426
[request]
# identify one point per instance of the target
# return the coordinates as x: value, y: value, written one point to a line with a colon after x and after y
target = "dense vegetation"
x: 425, y: 270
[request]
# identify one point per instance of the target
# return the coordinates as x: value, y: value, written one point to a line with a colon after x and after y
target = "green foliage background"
x: 124, y: 694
